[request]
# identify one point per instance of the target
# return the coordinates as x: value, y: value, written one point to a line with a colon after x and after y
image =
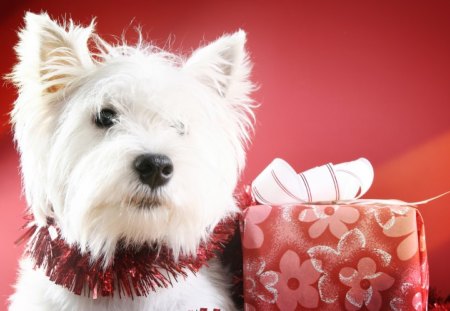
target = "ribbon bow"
x: 280, y: 184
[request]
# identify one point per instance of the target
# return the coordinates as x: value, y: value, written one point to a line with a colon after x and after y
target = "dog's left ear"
x: 50, y: 54
x: 224, y: 66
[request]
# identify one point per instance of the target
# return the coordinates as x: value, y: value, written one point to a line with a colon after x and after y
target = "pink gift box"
x: 334, y: 257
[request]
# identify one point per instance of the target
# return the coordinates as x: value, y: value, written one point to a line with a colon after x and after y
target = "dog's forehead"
x: 154, y: 72
x: 148, y: 85
x: 141, y: 81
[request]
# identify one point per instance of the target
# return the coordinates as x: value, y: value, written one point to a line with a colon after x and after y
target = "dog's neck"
x: 132, y: 272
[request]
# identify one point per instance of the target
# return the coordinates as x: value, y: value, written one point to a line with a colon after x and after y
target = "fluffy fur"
x: 196, y: 110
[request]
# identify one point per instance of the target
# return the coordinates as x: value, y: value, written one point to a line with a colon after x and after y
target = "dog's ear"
x: 224, y: 66
x: 50, y: 54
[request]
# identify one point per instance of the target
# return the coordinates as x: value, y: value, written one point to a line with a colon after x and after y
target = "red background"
x: 338, y: 80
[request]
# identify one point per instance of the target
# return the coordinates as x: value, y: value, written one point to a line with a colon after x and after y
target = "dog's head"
x: 129, y: 143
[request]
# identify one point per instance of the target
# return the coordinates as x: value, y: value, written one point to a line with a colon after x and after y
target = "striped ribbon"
x: 280, y: 184
x: 341, y: 184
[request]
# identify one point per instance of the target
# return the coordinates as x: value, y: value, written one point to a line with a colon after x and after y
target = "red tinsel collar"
x: 132, y: 272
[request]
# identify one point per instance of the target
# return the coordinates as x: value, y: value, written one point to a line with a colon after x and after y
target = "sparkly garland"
x: 437, y: 302
x: 131, y: 273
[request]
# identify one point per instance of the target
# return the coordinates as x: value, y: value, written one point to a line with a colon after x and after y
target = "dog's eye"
x: 180, y: 128
x: 106, y: 118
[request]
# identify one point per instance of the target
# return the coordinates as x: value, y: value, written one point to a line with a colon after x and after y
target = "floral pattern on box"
x: 334, y: 257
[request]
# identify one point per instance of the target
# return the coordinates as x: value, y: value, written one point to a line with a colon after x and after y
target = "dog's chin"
x: 145, y: 202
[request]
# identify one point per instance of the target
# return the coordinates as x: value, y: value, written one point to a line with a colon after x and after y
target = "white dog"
x: 124, y: 147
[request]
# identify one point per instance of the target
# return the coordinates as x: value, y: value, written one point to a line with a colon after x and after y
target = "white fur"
x: 82, y: 175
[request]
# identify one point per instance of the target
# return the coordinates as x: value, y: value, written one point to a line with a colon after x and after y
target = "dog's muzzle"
x: 154, y: 170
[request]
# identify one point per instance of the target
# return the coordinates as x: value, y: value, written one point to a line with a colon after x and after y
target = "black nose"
x: 154, y: 170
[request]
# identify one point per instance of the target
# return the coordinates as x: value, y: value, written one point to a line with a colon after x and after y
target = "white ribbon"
x: 392, y: 202
x: 342, y: 184
x: 280, y: 184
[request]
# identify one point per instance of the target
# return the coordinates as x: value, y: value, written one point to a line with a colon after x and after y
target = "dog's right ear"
x: 50, y: 54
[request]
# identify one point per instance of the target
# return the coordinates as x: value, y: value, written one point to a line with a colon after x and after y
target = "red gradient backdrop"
x: 338, y: 80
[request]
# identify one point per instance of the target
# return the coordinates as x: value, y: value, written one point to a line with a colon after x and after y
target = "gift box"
x: 334, y: 257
